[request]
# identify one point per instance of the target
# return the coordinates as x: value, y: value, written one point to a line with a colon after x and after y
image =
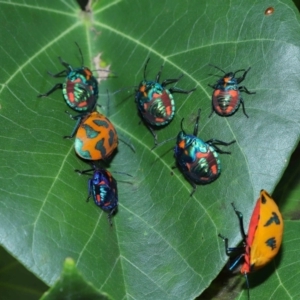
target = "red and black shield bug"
x: 226, y: 97
x: 80, y: 89
x: 264, y: 237
x: 198, y: 160
x: 155, y: 102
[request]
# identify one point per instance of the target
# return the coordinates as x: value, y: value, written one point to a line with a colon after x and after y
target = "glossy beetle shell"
x: 80, y: 90
x: 198, y: 160
x: 155, y: 103
x: 103, y: 188
x: 264, y: 234
x: 96, y: 137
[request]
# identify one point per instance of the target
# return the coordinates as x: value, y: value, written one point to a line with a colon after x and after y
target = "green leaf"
x: 164, y: 243
x: 71, y: 285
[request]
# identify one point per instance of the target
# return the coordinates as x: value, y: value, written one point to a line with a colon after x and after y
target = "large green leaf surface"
x: 163, y: 243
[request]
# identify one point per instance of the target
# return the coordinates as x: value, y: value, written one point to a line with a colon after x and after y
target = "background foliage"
x: 163, y: 244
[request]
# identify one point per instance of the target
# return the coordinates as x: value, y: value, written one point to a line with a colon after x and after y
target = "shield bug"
x: 198, y: 160
x: 96, y: 137
x: 226, y: 97
x: 103, y: 188
x: 80, y: 89
x: 155, y: 101
x: 264, y: 237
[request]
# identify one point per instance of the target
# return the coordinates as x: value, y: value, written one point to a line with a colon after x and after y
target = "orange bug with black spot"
x: 264, y: 237
x: 96, y: 137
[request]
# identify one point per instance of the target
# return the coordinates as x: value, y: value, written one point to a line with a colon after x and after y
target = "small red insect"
x: 264, y: 237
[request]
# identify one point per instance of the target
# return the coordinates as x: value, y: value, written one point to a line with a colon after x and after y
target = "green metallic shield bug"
x: 155, y: 102
x: 80, y: 89
x: 198, y: 160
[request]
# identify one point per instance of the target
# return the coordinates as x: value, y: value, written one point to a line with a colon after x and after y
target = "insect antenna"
x: 217, y: 68
x: 82, y: 62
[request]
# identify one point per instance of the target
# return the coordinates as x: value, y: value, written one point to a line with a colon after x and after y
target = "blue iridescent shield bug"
x: 103, y: 189
x: 80, y: 89
x: 155, y: 102
x: 198, y: 160
x: 226, y: 97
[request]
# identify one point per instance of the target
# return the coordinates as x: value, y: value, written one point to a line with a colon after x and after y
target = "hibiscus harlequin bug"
x: 80, y: 89
x: 103, y: 189
x: 96, y: 137
x: 226, y: 97
x: 155, y: 102
x: 198, y: 160
x: 264, y: 237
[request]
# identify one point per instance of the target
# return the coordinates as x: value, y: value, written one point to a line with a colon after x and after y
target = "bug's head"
x: 229, y: 79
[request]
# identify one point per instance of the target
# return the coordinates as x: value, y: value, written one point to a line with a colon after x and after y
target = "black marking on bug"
x: 263, y: 199
x: 90, y: 132
x: 273, y: 219
x: 111, y: 137
x: 101, y: 123
x: 99, y: 147
x: 271, y: 242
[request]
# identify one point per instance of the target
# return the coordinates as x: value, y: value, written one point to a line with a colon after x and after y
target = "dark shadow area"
x: 16, y: 281
x: 297, y: 3
x: 289, y: 182
x: 83, y: 4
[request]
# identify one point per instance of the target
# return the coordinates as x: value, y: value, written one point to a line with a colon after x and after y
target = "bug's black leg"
x: 56, y: 87
x: 158, y: 74
x: 194, y: 188
x: 212, y: 86
x: 240, y: 217
x: 243, y: 106
x: 217, y: 68
x: 110, y: 215
x: 231, y: 250
x: 225, y: 240
x: 181, y: 91
x: 90, y: 183
x: 66, y: 65
x: 59, y: 74
x: 240, y: 79
x: 218, y: 142
x: 75, y: 128
x: 169, y: 81
x: 245, y: 90
x: 215, y: 142
x: 163, y: 142
x: 145, y: 67
x: 153, y: 133
x: 88, y: 172
x: 127, y: 143
x: 192, y: 183
x: 241, y: 70
x: 196, y: 126
x: 237, y: 253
